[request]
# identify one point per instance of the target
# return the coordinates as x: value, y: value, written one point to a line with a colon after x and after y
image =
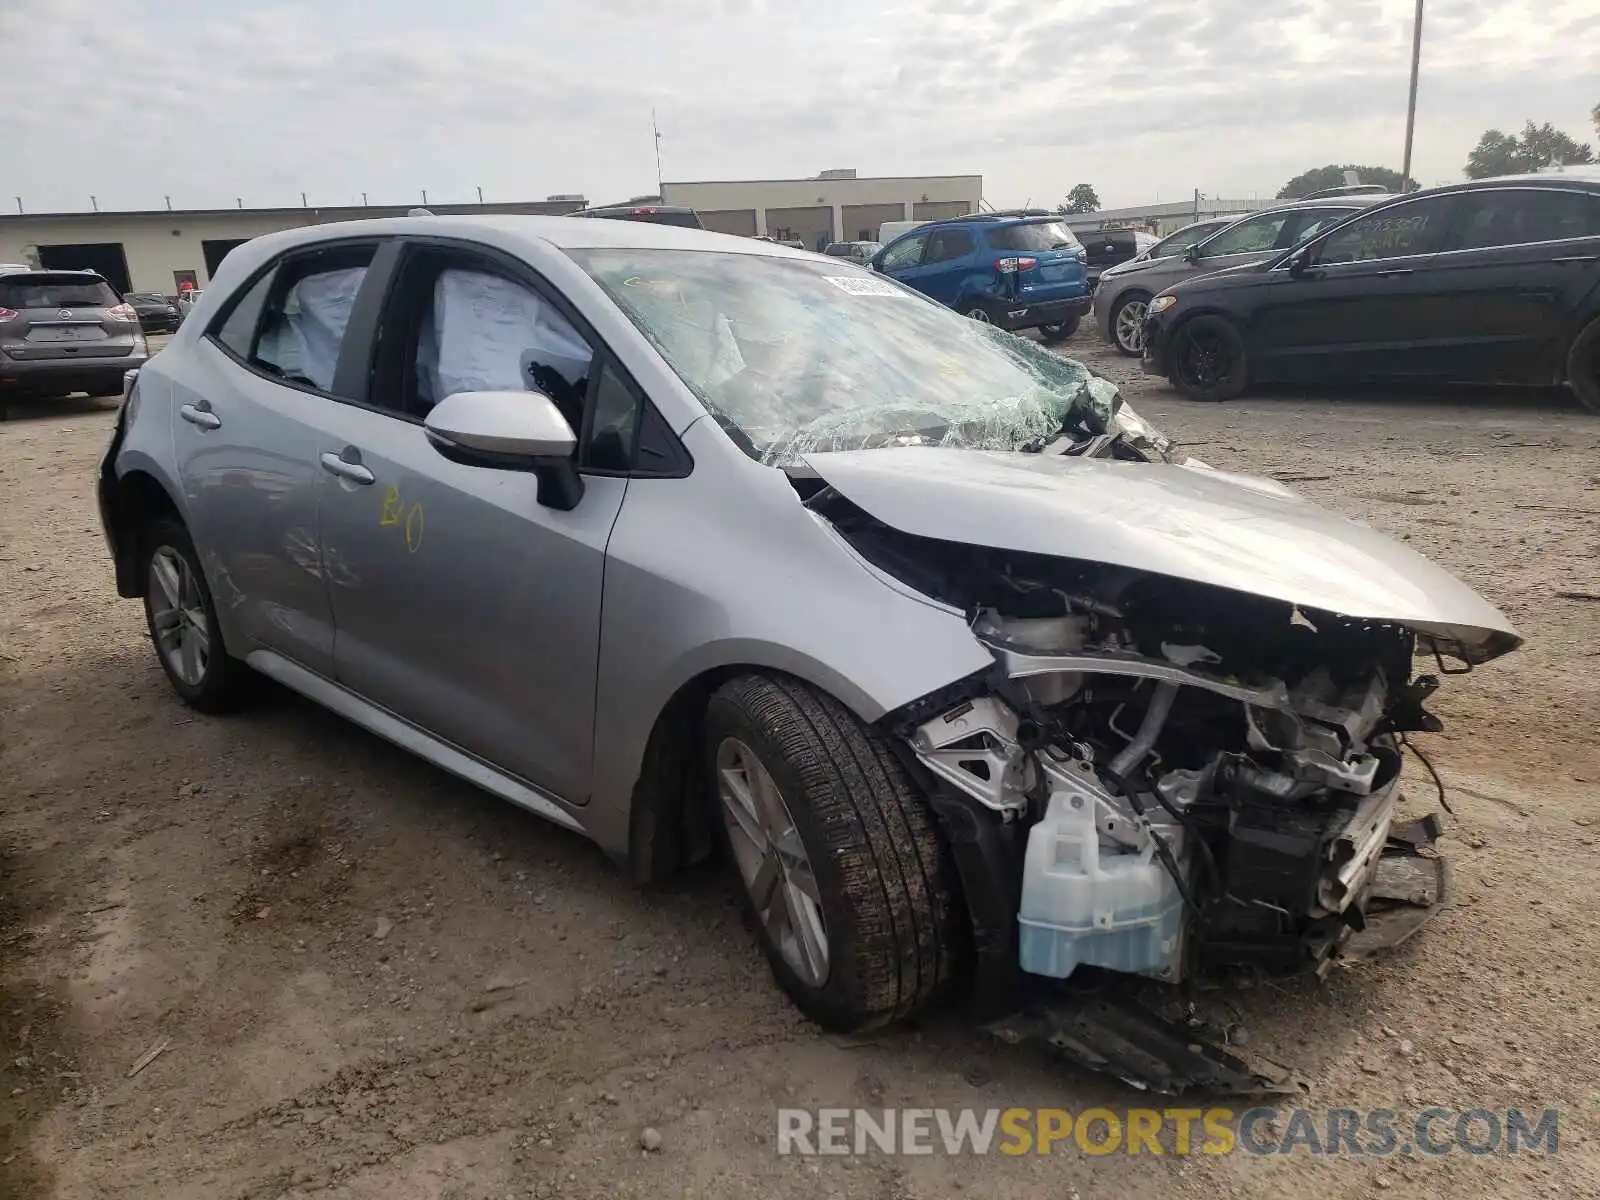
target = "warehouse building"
x: 161, y: 250
x: 836, y: 206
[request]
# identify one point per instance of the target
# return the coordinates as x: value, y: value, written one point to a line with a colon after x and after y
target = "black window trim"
x: 379, y: 276
x: 517, y: 271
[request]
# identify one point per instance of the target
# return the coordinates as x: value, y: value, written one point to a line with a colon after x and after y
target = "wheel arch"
x: 667, y: 821
x: 140, y: 499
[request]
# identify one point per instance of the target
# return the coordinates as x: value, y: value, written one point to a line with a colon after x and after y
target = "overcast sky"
x: 208, y: 100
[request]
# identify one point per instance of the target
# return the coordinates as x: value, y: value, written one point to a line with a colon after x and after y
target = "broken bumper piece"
x: 1107, y: 1026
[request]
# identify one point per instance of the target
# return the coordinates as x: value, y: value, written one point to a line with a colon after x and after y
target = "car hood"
x: 1189, y: 522
x: 1239, y: 275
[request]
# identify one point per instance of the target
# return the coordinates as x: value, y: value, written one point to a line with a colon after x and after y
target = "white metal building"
x: 836, y: 206
x: 156, y: 251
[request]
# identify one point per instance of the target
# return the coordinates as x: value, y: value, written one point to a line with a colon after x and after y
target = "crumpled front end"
x: 1181, y: 815
x: 1169, y: 777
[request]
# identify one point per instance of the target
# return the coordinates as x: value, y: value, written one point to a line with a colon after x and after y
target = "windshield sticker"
x: 863, y: 285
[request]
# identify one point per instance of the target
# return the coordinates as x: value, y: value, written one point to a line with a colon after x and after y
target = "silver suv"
x: 1125, y: 289
x: 672, y: 537
x: 63, y: 332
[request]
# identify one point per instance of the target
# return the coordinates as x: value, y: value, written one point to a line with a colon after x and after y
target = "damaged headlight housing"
x: 1160, y: 305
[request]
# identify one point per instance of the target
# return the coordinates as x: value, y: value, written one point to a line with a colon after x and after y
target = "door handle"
x: 203, y: 417
x: 1577, y: 258
x: 1396, y: 271
x: 353, y: 471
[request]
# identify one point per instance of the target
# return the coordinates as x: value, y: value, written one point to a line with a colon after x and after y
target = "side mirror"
x: 1192, y: 254
x: 513, y: 431
x: 1299, y: 263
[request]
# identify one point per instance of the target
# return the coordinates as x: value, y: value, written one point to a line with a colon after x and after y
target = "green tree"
x: 1539, y: 146
x: 1082, y: 199
x: 1319, y: 178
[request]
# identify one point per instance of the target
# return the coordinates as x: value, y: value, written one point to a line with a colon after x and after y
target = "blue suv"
x: 1016, y: 272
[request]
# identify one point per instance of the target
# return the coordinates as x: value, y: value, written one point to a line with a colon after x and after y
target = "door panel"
x: 1369, y: 303
x: 1352, y: 321
x: 246, y: 449
x: 1520, y: 264
x: 462, y: 604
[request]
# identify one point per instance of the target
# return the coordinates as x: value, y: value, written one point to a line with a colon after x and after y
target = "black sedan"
x: 156, y: 313
x: 1495, y: 281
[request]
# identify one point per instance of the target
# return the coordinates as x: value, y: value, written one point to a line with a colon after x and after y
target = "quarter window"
x: 238, y: 329
x: 303, y: 325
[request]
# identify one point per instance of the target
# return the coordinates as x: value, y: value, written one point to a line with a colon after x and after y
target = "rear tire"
x: 182, y: 619
x: 861, y: 852
x: 1207, y: 359
x: 1583, y: 366
x: 1054, y: 334
x: 976, y: 310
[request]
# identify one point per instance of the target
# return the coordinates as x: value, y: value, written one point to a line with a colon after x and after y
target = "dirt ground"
x: 371, y: 980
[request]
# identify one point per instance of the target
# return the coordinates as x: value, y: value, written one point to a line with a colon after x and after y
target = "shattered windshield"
x: 793, y: 356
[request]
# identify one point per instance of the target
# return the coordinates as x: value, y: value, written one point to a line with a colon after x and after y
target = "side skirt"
x: 408, y: 737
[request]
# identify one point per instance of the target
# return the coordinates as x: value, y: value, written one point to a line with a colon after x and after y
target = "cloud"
x: 389, y: 97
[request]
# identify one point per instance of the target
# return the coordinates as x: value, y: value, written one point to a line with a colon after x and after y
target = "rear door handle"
x: 195, y: 414
x: 1396, y: 271
x: 353, y: 471
x: 1578, y: 258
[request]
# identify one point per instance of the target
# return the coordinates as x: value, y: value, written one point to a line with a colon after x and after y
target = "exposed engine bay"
x: 1189, y: 777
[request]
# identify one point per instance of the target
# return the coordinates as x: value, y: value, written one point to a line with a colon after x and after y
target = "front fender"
x: 727, y: 569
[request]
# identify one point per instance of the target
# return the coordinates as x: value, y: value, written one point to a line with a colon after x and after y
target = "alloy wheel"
x: 1130, y: 326
x: 178, y: 616
x: 1203, y: 361
x: 772, y: 860
x: 979, y: 315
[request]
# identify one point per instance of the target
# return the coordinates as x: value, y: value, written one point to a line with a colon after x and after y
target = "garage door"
x: 861, y: 221
x: 940, y: 210
x: 105, y: 257
x: 741, y: 221
x: 807, y: 224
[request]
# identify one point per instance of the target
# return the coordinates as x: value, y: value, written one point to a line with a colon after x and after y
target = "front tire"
x: 843, y: 869
x: 1127, y: 324
x: 1054, y: 334
x: 182, y: 619
x: 1583, y: 366
x: 1208, y: 360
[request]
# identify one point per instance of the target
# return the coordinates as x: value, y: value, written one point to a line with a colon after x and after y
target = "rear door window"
x: 948, y: 244
x: 303, y: 324
x: 1524, y: 216
x: 37, y: 291
x: 1032, y: 237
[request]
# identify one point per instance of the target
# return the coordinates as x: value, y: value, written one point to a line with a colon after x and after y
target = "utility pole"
x: 363, y: 200
x: 168, y: 199
x: 424, y: 196
x: 302, y: 200
x: 1411, y: 105
x: 19, y: 205
x: 239, y: 201
x: 480, y: 193
x: 94, y: 203
x: 656, y: 129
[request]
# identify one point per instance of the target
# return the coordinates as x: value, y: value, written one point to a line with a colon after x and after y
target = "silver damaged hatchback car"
x: 677, y: 538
